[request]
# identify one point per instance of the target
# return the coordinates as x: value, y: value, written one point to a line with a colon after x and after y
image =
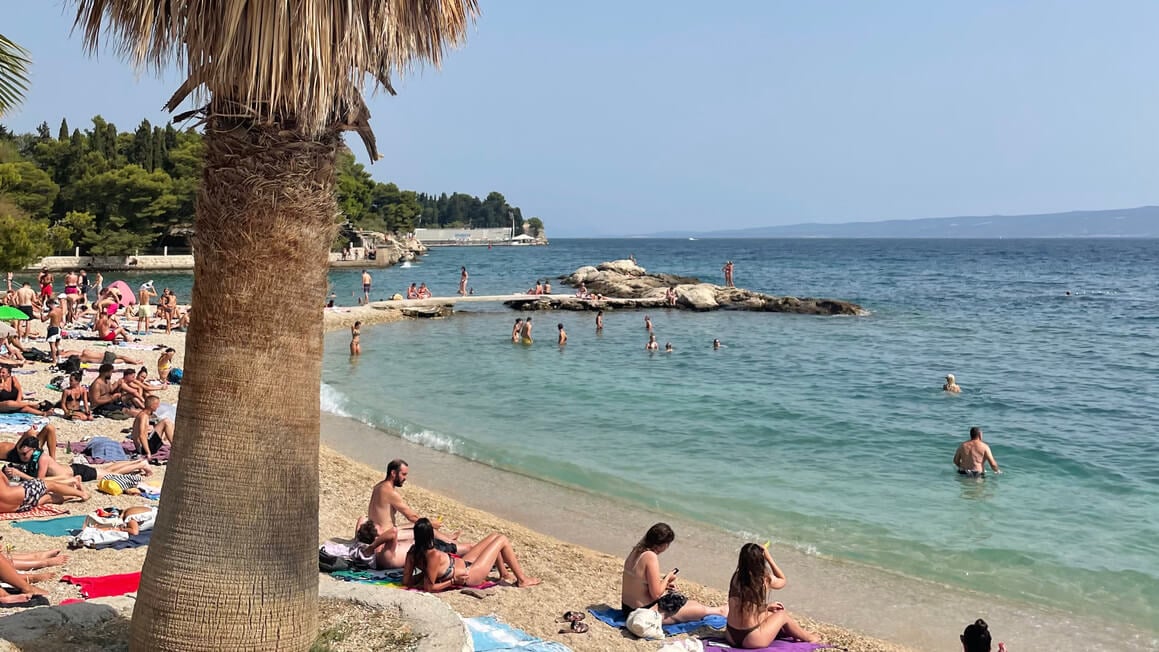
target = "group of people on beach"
x: 429, y: 557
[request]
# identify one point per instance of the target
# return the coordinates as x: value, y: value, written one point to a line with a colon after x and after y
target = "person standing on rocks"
x: 727, y: 269
x: 462, y: 281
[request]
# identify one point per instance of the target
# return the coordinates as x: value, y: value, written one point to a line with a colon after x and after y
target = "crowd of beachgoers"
x: 90, y: 418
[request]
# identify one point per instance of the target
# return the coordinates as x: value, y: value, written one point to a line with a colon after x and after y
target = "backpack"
x: 175, y: 376
x: 69, y: 365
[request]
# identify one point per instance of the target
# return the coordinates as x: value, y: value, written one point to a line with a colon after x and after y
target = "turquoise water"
x: 827, y: 434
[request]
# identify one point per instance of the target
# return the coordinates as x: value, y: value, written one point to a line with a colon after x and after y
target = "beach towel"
x: 391, y: 577
x: 97, y: 539
x: 36, y: 512
x: 19, y: 422
x: 779, y: 645
x: 104, y: 586
x: 137, y: 346
x: 53, y: 527
x: 489, y: 633
x: 615, y: 618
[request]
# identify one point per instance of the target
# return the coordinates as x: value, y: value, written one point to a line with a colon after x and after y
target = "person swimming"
x: 716, y: 344
x: 951, y: 385
x: 652, y: 345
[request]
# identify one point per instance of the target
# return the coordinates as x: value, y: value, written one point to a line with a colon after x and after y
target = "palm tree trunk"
x: 237, y: 526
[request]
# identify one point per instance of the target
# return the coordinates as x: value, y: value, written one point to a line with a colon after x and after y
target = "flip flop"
x: 571, y: 617
x: 577, y: 627
x: 34, y: 601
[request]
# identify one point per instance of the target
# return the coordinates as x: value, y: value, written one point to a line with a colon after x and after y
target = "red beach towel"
x: 36, y: 512
x: 104, y: 586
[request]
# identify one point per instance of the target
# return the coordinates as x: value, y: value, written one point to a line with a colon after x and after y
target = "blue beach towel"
x: 367, y: 576
x: 53, y: 527
x: 489, y: 633
x: 615, y: 618
x: 139, y: 539
x: 19, y: 422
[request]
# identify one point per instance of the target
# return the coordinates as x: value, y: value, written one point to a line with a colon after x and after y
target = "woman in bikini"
x: 753, y: 622
x: 75, y: 399
x: 643, y: 586
x: 442, y: 570
x: 12, y: 396
x: 355, y: 338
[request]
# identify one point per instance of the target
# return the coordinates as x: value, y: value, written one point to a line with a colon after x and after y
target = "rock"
x: 697, y: 297
x: 625, y: 266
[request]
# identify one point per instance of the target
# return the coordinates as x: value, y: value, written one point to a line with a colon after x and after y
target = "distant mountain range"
x: 1142, y: 222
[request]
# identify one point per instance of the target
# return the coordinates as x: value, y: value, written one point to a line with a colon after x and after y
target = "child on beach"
x: 753, y: 623
x: 355, y: 337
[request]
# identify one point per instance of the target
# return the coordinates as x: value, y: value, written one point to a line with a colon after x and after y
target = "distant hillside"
x: 1142, y: 222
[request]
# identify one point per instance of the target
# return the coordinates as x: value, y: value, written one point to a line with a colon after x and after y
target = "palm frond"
x: 14, y: 63
x: 300, y: 60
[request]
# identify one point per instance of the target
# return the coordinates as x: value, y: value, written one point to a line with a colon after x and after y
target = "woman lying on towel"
x: 29, y: 596
x: 442, y: 570
x: 752, y: 621
x: 645, y: 587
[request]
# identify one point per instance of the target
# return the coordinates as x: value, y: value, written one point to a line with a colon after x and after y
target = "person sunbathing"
x: 110, y: 331
x: 27, y: 462
x: 132, y: 520
x: 12, y: 395
x: 11, y: 353
x: 753, y: 622
x: 29, y: 596
x: 644, y: 587
x: 31, y: 494
x: 442, y: 570
x: 102, y: 356
x: 377, y: 547
x: 74, y: 400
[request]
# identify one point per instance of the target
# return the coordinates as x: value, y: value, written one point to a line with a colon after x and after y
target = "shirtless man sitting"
x: 386, y: 502
x: 972, y: 456
x: 131, y: 393
x: 104, y: 397
x: 149, y: 439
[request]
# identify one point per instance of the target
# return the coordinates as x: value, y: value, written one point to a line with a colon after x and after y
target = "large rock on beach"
x: 625, y: 285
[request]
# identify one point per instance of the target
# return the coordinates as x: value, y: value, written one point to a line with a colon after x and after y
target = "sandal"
x: 577, y: 627
x: 571, y: 617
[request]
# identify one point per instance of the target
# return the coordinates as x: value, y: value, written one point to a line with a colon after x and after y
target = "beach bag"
x: 646, y: 623
x: 36, y: 355
x: 69, y: 365
x: 175, y: 376
x: 328, y: 563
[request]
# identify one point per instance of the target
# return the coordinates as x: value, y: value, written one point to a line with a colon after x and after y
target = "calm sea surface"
x: 827, y: 434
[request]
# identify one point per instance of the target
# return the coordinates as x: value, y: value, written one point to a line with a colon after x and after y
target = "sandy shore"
x: 574, y: 576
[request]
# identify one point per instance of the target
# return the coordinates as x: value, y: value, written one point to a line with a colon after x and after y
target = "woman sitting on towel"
x: 645, y: 587
x: 752, y: 621
x: 442, y: 570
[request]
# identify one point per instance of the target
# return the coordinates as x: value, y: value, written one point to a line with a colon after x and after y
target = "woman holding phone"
x: 753, y: 622
x: 645, y: 586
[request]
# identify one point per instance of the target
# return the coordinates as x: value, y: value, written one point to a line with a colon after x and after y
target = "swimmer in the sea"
x: 599, y: 320
x: 517, y: 331
x: 716, y: 344
x: 648, y: 323
x: 653, y: 345
x: 527, y: 331
x: 951, y: 385
x: 972, y: 456
x: 562, y: 335
x: 668, y: 347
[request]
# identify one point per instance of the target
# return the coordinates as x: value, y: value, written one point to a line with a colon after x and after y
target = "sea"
x: 828, y: 436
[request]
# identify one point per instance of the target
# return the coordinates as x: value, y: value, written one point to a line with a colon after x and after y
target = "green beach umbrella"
x: 8, y: 313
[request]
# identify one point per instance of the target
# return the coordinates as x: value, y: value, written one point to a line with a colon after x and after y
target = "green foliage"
x: 23, y: 240
x: 14, y: 64
x: 535, y: 227
x: 117, y: 193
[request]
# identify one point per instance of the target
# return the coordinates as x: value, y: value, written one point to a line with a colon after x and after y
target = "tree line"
x: 114, y: 192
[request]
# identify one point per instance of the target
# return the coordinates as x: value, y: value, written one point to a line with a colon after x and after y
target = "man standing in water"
x: 973, y: 455
x: 599, y: 321
x: 527, y: 331
x: 462, y: 281
x: 562, y: 335
x: 365, y: 286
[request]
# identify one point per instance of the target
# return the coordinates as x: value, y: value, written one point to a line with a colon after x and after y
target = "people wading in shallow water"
x: 599, y: 321
x: 562, y: 334
x: 972, y: 455
x: 951, y: 385
x: 647, y: 323
x: 526, y: 335
x: 356, y: 338
x: 652, y: 345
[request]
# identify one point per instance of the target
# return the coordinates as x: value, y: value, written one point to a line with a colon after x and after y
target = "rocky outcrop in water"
x: 624, y: 284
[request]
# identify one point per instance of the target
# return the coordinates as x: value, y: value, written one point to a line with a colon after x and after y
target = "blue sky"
x: 611, y: 117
